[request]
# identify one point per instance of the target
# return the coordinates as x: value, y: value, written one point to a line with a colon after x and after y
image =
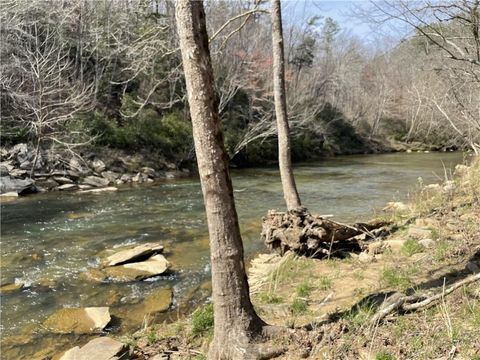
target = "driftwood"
x: 313, y: 235
x: 405, y: 303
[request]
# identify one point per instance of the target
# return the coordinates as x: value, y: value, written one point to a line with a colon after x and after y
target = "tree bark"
x: 290, y: 192
x: 236, y: 323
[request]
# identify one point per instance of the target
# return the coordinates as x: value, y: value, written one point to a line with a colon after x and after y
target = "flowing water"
x: 48, y: 240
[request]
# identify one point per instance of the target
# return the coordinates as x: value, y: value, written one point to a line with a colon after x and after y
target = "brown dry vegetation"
x: 328, y: 305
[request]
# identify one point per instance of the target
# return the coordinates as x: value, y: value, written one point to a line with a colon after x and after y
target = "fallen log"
x: 407, y: 303
x: 312, y: 235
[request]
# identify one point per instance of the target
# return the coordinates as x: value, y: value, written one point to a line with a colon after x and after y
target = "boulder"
x: 95, y: 181
x: 126, y: 178
x: 133, y: 254
x: 110, y: 176
x: 102, y: 348
x: 4, y: 171
x: 78, y: 320
x: 47, y: 183
x: 154, y: 266
x: 9, y: 184
x: 150, y: 172
x: 98, y: 166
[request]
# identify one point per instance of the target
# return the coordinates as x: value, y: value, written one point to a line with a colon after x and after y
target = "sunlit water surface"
x: 47, y: 240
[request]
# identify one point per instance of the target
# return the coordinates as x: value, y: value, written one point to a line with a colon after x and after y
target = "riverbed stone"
x: 9, y: 288
x: 102, y: 348
x: 20, y: 186
x: 78, y: 320
x: 95, y: 181
x: 98, y: 165
x: 110, y: 175
x: 63, y: 180
x: 99, y: 190
x: 67, y: 187
x: 158, y: 301
x: 156, y: 265
x: 133, y: 254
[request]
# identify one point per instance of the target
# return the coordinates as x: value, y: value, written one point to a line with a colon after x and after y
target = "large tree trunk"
x: 290, y: 192
x: 236, y: 322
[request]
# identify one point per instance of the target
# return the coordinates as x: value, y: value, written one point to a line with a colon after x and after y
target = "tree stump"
x: 311, y: 235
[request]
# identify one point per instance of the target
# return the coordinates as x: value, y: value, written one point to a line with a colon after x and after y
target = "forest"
x: 240, y: 180
x: 108, y: 74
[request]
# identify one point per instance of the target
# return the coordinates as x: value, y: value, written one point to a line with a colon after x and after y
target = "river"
x: 48, y: 240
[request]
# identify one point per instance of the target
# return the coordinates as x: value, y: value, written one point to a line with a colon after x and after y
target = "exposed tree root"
x: 406, y: 303
x: 313, y: 235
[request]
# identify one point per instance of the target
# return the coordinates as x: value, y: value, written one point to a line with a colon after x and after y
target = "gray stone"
x: 126, y: 178
x: 66, y: 187
x: 95, y: 181
x: 26, y: 165
x: 4, y: 170
x: 99, y: 190
x: 63, y: 180
x: 9, y: 184
x: 150, y: 172
x: 98, y: 165
x: 110, y: 176
x: 102, y: 348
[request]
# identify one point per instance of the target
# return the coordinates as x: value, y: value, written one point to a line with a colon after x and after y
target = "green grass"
x: 202, y: 320
x: 398, y: 278
x: 299, y: 306
x: 304, y: 289
x: 411, y: 247
x: 441, y: 250
x: 324, y: 283
x: 383, y: 355
x: 269, y: 298
x: 360, y: 315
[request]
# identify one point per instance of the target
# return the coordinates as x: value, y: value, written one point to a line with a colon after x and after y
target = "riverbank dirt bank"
x: 330, y: 307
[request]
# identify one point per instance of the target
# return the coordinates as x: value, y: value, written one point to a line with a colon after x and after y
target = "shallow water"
x: 47, y: 240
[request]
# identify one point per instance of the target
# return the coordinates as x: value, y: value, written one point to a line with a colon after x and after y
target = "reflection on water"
x: 49, y: 239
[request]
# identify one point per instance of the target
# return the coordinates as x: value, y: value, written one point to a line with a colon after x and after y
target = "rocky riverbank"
x: 23, y: 172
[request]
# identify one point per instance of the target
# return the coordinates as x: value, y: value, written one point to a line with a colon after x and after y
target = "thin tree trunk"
x: 290, y: 192
x: 236, y: 322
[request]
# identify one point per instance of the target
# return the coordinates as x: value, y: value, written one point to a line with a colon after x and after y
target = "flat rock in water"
x: 158, y: 301
x: 8, y: 288
x: 99, y: 190
x: 102, y: 348
x: 96, y: 181
x: 78, y: 320
x: 154, y: 266
x: 133, y: 254
x: 66, y: 187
